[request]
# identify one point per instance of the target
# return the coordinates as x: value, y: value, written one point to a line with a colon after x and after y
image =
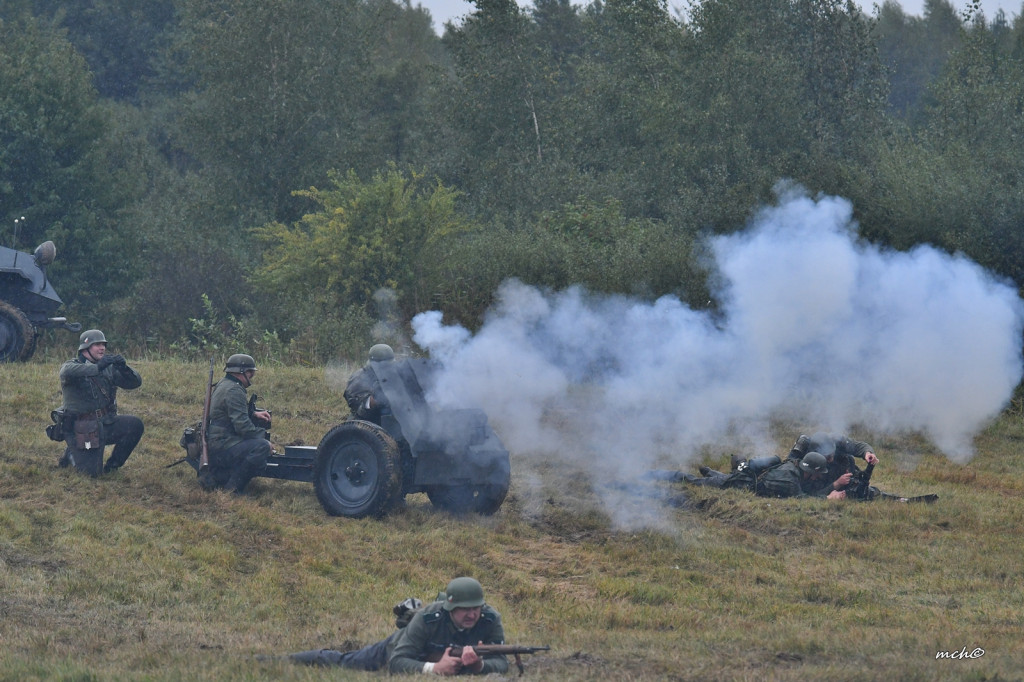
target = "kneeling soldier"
x: 237, y: 443
x: 89, y: 386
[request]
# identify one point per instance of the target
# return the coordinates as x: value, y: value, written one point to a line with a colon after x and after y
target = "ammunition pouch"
x: 55, y: 431
x: 87, y: 432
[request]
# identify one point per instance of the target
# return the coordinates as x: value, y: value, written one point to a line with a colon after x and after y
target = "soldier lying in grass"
x: 439, y: 639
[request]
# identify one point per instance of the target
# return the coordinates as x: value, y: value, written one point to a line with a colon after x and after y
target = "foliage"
x: 62, y: 165
x: 589, y: 144
x: 384, y: 234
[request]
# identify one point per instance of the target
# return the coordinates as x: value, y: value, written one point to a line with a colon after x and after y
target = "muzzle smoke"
x: 812, y: 326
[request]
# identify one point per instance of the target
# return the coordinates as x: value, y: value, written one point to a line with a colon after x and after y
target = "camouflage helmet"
x: 814, y: 462
x: 464, y: 593
x: 90, y: 337
x: 240, y: 362
x: 382, y: 352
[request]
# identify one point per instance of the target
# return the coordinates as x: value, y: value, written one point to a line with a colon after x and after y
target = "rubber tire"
x: 465, y: 499
x: 357, y: 472
x: 16, y: 334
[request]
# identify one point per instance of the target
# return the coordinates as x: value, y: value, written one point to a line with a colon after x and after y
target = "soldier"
x: 364, y: 401
x: 459, y: 617
x: 794, y: 478
x: 89, y: 386
x: 237, y: 443
x: 839, y: 451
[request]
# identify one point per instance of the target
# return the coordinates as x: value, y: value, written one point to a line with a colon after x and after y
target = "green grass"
x: 142, y: 576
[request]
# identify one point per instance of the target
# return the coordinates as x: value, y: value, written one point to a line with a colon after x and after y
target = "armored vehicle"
x: 361, y: 468
x: 27, y: 301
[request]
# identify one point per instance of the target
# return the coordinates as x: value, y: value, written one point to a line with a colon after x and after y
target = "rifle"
x: 204, y: 453
x: 437, y: 651
x: 860, y: 485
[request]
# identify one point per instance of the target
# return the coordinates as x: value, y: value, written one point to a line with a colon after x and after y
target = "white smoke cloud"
x: 812, y: 324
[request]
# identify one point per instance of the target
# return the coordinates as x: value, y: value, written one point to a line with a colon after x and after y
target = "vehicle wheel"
x: 463, y: 499
x: 17, y: 337
x: 357, y: 471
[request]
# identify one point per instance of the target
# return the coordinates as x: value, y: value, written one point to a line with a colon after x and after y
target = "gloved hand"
x: 115, y: 360
x: 105, y: 361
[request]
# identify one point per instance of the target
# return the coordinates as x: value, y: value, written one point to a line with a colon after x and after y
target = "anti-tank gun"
x: 362, y: 468
x: 28, y: 301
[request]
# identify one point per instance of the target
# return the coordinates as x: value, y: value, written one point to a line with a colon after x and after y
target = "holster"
x: 55, y: 431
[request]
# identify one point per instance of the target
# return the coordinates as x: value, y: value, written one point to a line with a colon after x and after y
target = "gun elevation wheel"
x: 17, y: 337
x: 463, y: 499
x: 357, y: 471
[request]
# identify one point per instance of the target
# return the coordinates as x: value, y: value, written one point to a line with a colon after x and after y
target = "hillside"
x: 142, y: 576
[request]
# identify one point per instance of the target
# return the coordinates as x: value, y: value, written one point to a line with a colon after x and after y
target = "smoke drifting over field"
x: 812, y: 325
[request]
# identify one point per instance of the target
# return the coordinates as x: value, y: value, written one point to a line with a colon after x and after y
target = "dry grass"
x: 141, y: 576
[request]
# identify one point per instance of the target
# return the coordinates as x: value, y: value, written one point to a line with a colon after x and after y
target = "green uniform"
x: 238, y: 448
x: 844, y: 450
x: 90, y: 402
x: 88, y: 389
x: 787, y: 480
x: 229, y: 416
x: 431, y: 631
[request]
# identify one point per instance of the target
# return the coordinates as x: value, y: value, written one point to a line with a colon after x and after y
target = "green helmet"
x: 382, y: 352
x: 239, y: 362
x: 814, y: 462
x: 463, y: 593
x: 90, y: 337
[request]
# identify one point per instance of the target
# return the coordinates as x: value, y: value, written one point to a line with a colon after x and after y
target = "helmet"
x: 823, y: 443
x: 90, y: 337
x: 463, y: 593
x: 814, y: 462
x: 239, y: 362
x: 382, y: 352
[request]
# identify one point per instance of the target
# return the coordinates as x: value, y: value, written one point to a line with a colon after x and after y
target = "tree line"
x: 293, y: 174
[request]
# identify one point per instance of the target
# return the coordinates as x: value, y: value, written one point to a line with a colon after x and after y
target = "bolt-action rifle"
x: 204, y: 452
x: 489, y: 650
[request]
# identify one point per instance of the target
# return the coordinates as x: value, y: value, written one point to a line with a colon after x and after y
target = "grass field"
x: 142, y: 576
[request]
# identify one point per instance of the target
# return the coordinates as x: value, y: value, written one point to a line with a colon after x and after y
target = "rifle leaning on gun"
x: 204, y: 452
x: 490, y: 650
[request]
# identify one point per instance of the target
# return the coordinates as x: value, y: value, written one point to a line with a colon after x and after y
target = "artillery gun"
x: 362, y: 468
x: 28, y: 301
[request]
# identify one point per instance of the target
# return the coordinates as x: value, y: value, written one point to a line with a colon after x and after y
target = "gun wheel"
x: 465, y: 499
x: 357, y: 471
x: 17, y: 337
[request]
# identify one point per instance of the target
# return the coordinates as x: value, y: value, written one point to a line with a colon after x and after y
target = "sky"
x: 447, y: 10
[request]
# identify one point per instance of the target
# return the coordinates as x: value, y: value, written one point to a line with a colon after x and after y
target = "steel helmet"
x: 814, y: 462
x: 463, y: 593
x: 240, y: 362
x: 382, y: 352
x: 90, y: 337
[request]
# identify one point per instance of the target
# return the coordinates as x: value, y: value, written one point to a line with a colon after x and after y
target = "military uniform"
x: 363, y: 385
x: 91, y: 421
x: 357, y: 394
x: 414, y: 647
x: 840, y: 449
x: 781, y: 480
x: 237, y: 447
x: 431, y: 631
